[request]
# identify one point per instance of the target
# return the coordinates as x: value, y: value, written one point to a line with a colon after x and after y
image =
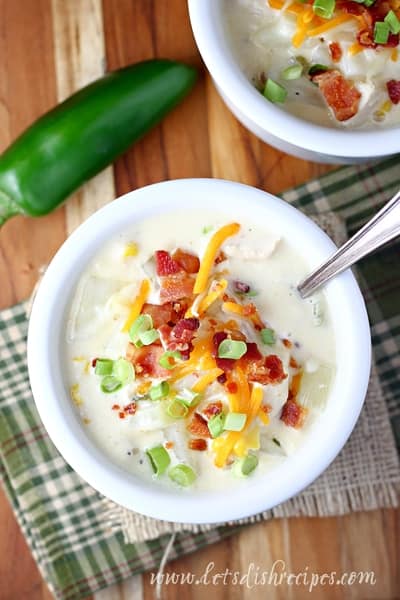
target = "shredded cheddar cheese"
x: 331, y: 24
x: 206, y: 379
x: 137, y: 305
x: 131, y: 249
x: 355, y: 48
x: 211, y: 252
x: 217, y: 288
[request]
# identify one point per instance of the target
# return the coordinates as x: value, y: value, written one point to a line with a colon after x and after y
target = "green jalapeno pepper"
x: 82, y: 135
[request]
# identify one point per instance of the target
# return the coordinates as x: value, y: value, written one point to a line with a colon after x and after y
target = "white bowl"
x: 48, y: 378
x: 267, y: 120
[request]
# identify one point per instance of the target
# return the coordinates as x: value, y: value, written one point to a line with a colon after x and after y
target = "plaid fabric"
x: 60, y: 514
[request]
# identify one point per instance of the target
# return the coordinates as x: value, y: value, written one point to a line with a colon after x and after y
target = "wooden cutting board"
x: 48, y: 48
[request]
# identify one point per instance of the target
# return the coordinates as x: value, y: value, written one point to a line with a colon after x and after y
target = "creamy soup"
x: 328, y: 70
x: 191, y: 358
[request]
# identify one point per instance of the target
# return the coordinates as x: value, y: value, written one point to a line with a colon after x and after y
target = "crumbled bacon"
x: 169, y: 445
x: 242, y: 288
x: 165, y: 264
x: 130, y: 408
x: 365, y: 37
x: 222, y: 378
x: 393, y: 88
x: 185, y: 329
x: 252, y: 354
x: 212, y: 409
x: 231, y: 387
x: 198, y: 426
x: 287, y: 343
x: 180, y: 336
x: 175, y: 287
x: 340, y: 95
x: 160, y: 313
x: 146, y: 360
x: 270, y: 370
x: 221, y: 257
x: 293, y: 363
x: 198, y: 444
x: 188, y: 262
x: 335, y: 51
x: 293, y: 414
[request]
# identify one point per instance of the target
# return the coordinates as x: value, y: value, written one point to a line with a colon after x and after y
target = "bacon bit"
x: 185, y: 329
x: 160, y: 313
x: 188, y: 262
x: 121, y: 415
x: 249, y: 310
x: 212, y: 409
x: 221, y: 257
x: 237, y: 335
x: 221, y: 378
x: 365, y: 37
x: 130, y: 408
x: 266, y: 408
x: 269, y: 371
x: 175, y: 287
x: 287, y: 343
x: 169, y: 445
x: 165, y: 264
x: 146, y: 360
x: 115, y: 407
x: 340, y: 95
x: 213, y: 322
x: 393, y: 88
x: 94, y: 362
x: 293, y: 414
x: 252, y: 354
x: 293, y: 363
x: 335, y: 51
x: 197, y: 444
x: 242, y: 288
x: 198, y: 426
x: 231, y: 387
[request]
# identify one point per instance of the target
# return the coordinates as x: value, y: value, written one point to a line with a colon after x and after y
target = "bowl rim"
x: 214, y: 49
x: 47, y: 324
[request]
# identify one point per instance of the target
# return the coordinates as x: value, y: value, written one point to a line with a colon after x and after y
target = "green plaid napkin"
x: 61, y: 516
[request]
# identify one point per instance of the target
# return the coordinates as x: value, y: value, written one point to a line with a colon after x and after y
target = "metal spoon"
x: 379, y: 230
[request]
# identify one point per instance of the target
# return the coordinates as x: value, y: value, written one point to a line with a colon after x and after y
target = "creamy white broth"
x: 267, y: 262
x: 260, y: 38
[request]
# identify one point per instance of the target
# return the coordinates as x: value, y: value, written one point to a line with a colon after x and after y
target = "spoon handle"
x: 379, y: 230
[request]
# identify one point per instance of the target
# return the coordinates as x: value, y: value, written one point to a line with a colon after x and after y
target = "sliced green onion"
x: 274, y: 92
x: 317, y: 68
x: 368, y: 3
x: 381, y: 32
x: 123, y: 370
x: 148, y: 337
x: 235, y: 421
x: 189, y: 398
x: 182, y: 475
x: 110, y: 384
x: 232, y: 349
x: 216, y: 425
x: 141, y: 324
x: 324, y: 8
x: 206, y: 229
x: 170, y: 359
x: 159, y: 459
x: 156, y: 392
x: 268, y: 336
x: 392, y: 22
x: 245, y: 466
x: 177, y: 410
x: 104, y: 366
x: 292, y: 72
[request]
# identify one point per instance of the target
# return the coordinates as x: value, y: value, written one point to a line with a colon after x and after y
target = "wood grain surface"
x: 48, y: 48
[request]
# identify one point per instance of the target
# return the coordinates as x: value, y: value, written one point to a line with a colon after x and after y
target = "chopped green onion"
x: 156, y: 392
x: 292, y: 72
x: 182, y: 475
x: 245, y: 466
x: 381, y: 32
x: 235, y: 421
x: 141, y: 324
x: 368, y: 3
x: 170, y: 359
x: 216, y: 425
x: 110, y: 384
x: 148, y: 337
x: 177, y: 410
x: 206, y: 229
x: 392, y: 22
x: 268, y: 336
x: 232, y: 349
x: 324, y: 8
x: 189, y: 398
x: 159, y: 459
x: 123, y: 370
x: 274, y: 92
x: 317, y: 68
x: 104, y: 366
